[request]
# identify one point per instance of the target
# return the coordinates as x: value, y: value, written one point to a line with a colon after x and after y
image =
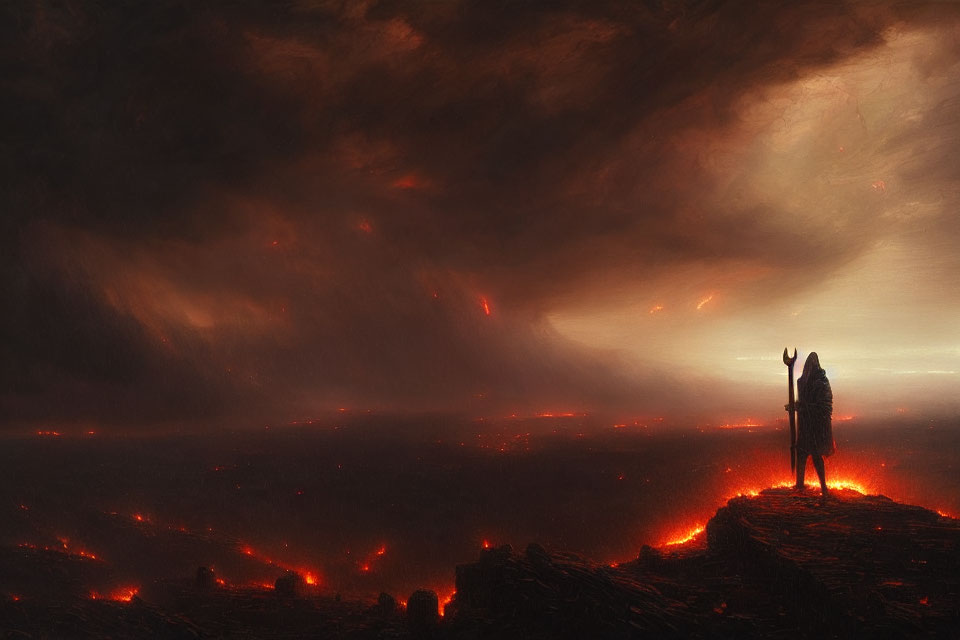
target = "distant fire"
x: 746, y: 424
x: 310, y: 576
x: 122, y: 594
x: 485, y: 305
x: 63, y: 548
x: 704, y: 301
x: 366, y: 565
x: 445, y: 600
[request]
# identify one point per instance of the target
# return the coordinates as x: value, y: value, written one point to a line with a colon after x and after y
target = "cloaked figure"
x: 814, y: 411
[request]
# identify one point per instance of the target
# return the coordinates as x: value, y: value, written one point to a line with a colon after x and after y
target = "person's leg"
x: 801, y: 468
x: 821, y: 472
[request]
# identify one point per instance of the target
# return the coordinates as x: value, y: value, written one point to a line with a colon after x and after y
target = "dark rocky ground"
x: 779, y: 565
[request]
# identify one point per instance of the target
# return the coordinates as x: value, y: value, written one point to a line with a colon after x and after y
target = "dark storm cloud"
x: 259, y: 210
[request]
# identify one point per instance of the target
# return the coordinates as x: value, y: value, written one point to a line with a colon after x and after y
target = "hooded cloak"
x: 814, y: 410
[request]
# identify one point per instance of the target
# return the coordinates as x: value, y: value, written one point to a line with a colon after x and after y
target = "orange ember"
x: 704, y: 301
x: 485, y: 305
x: 656, y: 308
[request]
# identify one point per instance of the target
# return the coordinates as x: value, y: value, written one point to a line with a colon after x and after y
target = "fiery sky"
x: 241, y: 212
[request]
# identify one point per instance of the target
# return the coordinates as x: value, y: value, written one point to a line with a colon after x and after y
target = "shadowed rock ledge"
x: 779, y: 564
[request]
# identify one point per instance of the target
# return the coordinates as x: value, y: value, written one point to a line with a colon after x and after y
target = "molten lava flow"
x: 309, y: 578
x: 485, y: 305
x: 688, y: 536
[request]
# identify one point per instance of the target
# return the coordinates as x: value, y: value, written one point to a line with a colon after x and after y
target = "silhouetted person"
x: 814, y: 410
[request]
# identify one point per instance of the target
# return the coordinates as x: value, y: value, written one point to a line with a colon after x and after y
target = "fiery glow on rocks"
x: 444, y: 600
x: 686, y: 536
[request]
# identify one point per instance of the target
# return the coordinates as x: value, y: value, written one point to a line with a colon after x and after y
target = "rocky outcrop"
x: 779, y: 564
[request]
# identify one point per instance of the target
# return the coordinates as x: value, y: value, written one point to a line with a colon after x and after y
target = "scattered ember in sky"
x: 581, y: 236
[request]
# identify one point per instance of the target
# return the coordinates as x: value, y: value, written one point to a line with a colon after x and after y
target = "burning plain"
x: 105, y: 535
